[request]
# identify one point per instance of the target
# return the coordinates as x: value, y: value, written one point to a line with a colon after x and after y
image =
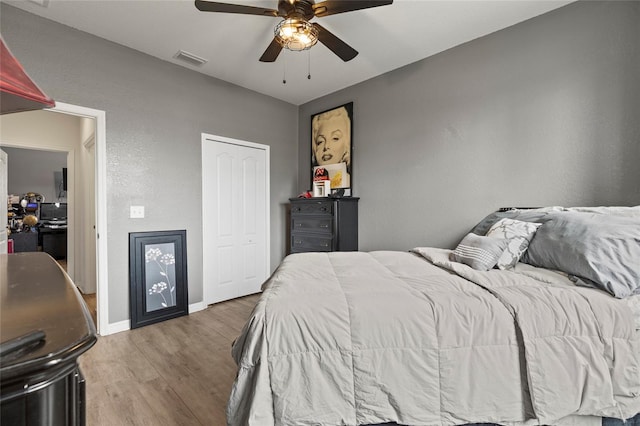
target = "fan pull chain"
x: 284, y: 69
x: 309, y: 65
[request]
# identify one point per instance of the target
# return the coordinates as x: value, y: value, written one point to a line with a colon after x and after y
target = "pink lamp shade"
x: 17, y: 91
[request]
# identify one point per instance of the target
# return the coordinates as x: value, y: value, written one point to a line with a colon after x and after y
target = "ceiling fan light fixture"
x: 296, y: 34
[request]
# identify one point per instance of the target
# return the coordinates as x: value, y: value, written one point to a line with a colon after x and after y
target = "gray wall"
x: 542, y: 113
x: 546, y: 112
x: 31, y: 170
x: 155, y: 114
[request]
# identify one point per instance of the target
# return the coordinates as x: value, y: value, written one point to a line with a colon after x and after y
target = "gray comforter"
x: 360, y: 338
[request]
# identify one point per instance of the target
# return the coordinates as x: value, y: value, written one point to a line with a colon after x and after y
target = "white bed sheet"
x: 557, y: 277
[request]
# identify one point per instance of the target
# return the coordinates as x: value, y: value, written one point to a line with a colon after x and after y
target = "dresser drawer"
x: 316, y: 224
x: 304, y: 243
x: 313, y: 207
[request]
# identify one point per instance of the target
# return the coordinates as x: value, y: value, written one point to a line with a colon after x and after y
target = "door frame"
x: 4, y: 183
x: 102, y: 293
x: 209, y: 138
x: 102, y: 272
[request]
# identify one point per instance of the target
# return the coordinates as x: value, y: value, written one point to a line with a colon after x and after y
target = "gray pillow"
x: 533, y: 215
x: 479, y: 252
x: 598, y: 250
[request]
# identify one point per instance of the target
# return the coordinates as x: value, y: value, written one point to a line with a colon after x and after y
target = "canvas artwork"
x: 332, y: 145
x: 158, y: 276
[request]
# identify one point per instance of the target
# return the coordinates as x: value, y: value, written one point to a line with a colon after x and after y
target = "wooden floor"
x: 90, y: 299
x: 177, y: 372
x: 91, y: 302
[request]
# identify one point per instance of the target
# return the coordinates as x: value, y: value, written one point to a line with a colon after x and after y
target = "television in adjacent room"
x: 49, y: 211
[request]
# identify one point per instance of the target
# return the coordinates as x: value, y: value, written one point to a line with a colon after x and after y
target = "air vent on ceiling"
x: 190, y: 58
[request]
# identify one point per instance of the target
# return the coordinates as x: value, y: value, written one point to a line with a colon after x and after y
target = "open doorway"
x: 37, y: 189
x: 79, y: 134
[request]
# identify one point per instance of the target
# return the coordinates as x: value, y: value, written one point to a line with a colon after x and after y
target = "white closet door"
x: 235, y: 218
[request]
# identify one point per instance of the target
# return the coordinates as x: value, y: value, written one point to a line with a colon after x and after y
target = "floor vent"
x: 190, y: 58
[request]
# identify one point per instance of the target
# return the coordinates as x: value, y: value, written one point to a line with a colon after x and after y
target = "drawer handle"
x: 324, y: 209
x: 298, y: 225
x: 324, y: 226
x: 325, y: 244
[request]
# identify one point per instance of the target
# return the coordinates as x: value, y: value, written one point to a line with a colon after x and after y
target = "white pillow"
x: 518, y: 233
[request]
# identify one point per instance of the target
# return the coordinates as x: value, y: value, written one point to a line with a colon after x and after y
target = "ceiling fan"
x: 295, y: 32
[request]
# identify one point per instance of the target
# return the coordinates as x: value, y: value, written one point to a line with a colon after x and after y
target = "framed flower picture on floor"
x: 157, y: 276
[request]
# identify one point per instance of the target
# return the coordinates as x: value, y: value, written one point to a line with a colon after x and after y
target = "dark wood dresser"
x: 44, y: 327
x: 324, y: 224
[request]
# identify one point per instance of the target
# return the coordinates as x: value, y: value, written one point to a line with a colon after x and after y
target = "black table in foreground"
x: 44, y: 327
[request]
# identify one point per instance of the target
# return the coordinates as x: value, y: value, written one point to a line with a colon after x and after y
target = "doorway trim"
x: 206, y: 137
x: 102, y: 287
x: 102, y: 326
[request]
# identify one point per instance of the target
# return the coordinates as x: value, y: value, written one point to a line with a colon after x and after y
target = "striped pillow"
x: 481, y: 253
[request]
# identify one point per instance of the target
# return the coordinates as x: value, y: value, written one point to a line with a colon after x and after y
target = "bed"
x: 426, y: 337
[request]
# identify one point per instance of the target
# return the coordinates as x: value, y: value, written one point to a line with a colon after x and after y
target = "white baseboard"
x: 198, y: 306
x: 116, y: 327
x: 125, y: 325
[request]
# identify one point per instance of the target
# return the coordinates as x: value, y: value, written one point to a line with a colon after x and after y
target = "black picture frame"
x: 158, y: 288
x: 334, y: 156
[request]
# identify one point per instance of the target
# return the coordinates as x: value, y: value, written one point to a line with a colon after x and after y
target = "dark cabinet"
x: 324, y: 224
x: 51, y: 240
x: 54, y: 242
x: 24, y: 241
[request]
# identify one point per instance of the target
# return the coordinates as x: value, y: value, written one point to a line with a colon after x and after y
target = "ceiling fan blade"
x: 337, y: 46
x: 332, y: 7
x: 212, y: 6
x: 272, y: 52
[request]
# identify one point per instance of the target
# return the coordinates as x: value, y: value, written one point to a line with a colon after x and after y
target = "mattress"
x: 557, y: 277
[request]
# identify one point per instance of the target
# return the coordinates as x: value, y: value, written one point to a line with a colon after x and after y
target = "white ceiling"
x: 387, y: 37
